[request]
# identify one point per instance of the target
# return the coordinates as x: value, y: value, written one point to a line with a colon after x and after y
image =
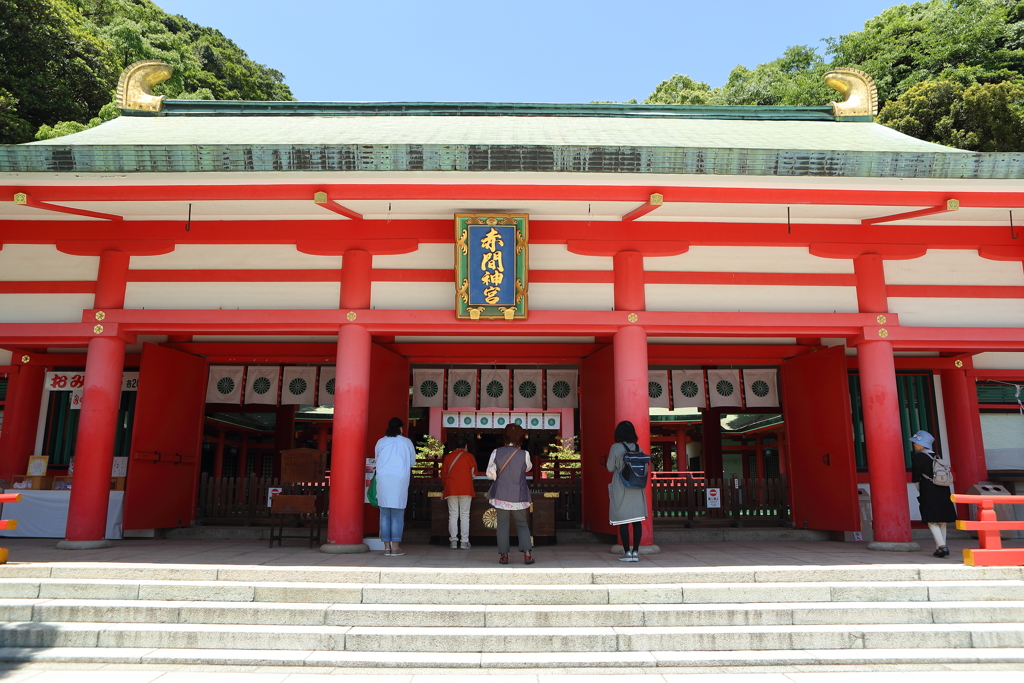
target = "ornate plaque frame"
x: 507, y: 298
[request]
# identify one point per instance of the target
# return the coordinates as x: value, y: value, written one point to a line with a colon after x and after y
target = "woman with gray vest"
x: 509, y: 493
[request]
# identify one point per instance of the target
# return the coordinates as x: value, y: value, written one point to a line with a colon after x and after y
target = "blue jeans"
x: 392, y: 523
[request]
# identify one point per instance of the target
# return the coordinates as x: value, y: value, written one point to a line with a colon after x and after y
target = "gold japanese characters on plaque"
x: 491, y: 266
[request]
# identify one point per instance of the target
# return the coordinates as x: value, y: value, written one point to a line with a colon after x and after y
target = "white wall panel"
x: 777, y: 298
x: 426, y: 257
x: 5, y: 357
x: 21, y: 262
x: 230, y: 295
x: 43, y: 308
x: 496, y: 339
x: 953, y: 267
x: 419, y: 296
x: 558, y: 257
x: 235, y: 257
x: 546, y: 296
x: 725, y: 341
x: 921, y: 312
x: 748, y: 260
x: 992, y: 360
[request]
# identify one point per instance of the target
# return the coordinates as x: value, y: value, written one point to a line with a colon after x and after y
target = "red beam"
x: 948, y: 205
x: 337, y: 208
x: 501, y: 191
x: 785, y: 279
x: 29, y: 200
x: 653, y: 202
x: 994, y: 239
x: 327, y: 275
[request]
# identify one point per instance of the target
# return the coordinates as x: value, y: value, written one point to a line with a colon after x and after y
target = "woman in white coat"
x: 395, y: 456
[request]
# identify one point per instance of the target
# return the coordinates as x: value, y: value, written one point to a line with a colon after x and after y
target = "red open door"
x: 819, y: 430
x: 166, y: 437
x: 597, y: 428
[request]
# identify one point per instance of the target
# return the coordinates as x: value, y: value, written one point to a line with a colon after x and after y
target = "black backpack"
x: 635, y: 468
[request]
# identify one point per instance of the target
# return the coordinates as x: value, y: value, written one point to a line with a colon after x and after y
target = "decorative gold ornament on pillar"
x: 135, y: 87
x: 860, y: 96
x: 26, y: 358
x: 958, y: 363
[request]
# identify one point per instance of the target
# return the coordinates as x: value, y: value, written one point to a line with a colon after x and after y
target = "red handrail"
x: 992, y: 552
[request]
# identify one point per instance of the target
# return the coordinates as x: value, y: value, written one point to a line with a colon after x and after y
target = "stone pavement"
x: 568, y: 556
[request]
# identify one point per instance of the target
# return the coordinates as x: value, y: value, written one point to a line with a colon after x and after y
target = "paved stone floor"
x: 297, y: 553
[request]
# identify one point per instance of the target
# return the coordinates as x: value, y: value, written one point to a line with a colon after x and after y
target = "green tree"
x: 680, y: 90
x: 983, y: 117
x: 794, y: 79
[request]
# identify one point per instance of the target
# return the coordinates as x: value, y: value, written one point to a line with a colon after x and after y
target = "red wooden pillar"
x: 321, y: 436
x: 682, y: 460
x: 243, y: 456
x: 966, y: 456
x: 97, y: 425
x: 883, y: 434
x: 21, y: 417
x: 218, y: 455
x: 351, y: 412
x: 631, y: 401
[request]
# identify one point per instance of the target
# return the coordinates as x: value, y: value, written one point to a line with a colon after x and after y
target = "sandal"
x: 502, y: 558
x: 528, y: 557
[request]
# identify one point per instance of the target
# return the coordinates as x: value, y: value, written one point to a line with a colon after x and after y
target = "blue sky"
x: 525, y: 51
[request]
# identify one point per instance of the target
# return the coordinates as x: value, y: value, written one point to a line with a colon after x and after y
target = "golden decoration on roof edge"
x: 883, y: 333
x: 632, y: 317
x: 21, y: 198
x: 881, y: 319
x: 135, y: 87
x: 860, y: 96
x: 100, y: 315
x: 320, y: 198
x: 26, y: 358
x: 958, y: 363
x: 350, y: 316
x: 952, y: 205
x: 98, y: 329
x: 657, y: 199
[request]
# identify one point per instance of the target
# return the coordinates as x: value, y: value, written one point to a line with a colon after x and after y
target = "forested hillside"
x: 60, y: 61
x: 950, y: 72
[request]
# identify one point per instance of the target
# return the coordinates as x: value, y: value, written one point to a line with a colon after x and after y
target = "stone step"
x: 501, y: 616
x: 503, y: 594
x: 443, y: 639
x: 517, y: 575
x: 399, y: 662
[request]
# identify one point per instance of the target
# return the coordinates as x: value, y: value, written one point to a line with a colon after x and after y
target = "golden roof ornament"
x: 860, y: 96
x: 135, y: 87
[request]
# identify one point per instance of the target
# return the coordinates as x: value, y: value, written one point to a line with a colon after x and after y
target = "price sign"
x: 714, y: 498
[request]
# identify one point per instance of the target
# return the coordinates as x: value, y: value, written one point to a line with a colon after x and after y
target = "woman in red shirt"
x: 457, y: 471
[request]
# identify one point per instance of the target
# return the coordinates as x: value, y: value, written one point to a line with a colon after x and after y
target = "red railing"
x: 992, y: 553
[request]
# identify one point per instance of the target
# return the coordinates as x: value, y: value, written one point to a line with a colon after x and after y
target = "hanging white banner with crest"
x: 225, y: 384
x: 261, y: 382
x: 526, y: 389
x: 325, y: 397
x: 494, y: 389
x: 761, y: 388
x: 562, y: 389
x: 657, y: 388
x: 724, y: 387
x: 688, y: 389
x: 462, y: 388
x: 299, y: 386
x: 428, y: 388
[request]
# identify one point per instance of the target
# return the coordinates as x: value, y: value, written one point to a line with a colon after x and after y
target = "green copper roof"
x: 660, y: 111
x: 331, y: 137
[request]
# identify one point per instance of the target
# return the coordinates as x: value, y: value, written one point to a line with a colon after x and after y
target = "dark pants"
x: 522, y: 529
x: 624, y: 535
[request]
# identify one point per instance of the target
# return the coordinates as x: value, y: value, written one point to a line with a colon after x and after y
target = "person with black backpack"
x: 627, y: 497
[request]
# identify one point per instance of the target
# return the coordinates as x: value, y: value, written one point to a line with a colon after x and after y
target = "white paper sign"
x: 271, y: 492
x: 714, y: 498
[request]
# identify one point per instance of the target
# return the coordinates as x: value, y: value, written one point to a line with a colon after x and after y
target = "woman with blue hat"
x: 933, y: 480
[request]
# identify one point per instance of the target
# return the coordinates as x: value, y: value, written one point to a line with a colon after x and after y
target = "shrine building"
x: 776, y: 297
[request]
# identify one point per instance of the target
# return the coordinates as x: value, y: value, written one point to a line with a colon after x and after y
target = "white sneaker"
x: 454, y: 545
x: 626, y: 556
x: 634, y: 556
x: 464, y: 545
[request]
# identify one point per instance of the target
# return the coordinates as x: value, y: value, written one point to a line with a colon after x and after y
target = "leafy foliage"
x: 947, y: 71
x: 62, y: 58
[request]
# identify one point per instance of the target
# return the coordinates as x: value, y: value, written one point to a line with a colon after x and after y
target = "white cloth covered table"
x: 44, y: 514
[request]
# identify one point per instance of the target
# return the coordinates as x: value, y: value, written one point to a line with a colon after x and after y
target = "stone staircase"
x: 512, y: 618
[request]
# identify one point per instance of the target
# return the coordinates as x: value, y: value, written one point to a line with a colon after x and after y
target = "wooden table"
x: 542, y: 516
